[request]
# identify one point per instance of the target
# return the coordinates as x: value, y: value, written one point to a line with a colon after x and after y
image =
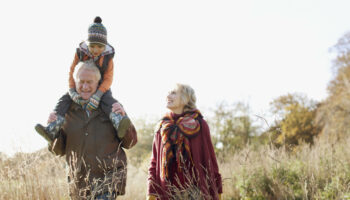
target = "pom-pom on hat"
x: 97, y: 33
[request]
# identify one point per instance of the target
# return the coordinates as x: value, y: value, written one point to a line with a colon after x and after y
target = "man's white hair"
x: 87, y: 65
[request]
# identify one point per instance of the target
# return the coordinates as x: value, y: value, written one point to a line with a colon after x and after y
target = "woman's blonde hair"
x: 188, y: 96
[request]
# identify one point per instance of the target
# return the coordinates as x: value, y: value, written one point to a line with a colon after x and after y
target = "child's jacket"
x: 104, y: 63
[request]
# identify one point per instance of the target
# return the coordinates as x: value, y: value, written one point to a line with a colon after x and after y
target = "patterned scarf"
x: 175, y: 135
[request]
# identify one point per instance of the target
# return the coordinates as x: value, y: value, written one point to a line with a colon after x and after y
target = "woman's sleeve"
x: 152, y: 181
x: 212, y: 156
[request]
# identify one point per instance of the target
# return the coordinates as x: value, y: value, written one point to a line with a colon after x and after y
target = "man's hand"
x: 52, y: 117
x: 117, y: 108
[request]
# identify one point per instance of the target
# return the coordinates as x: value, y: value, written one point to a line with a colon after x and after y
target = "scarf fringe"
x: 175, y: 137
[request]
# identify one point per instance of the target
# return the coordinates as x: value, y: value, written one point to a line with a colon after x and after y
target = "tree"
x: 334, y: 113
x: 232, y: 126
x: 296, y: 120
x: 145, y: 133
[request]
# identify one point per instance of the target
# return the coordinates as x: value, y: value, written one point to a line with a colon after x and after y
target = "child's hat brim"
x: 94, y: 42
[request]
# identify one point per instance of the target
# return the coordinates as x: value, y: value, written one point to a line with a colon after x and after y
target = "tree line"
x: 297, y: 119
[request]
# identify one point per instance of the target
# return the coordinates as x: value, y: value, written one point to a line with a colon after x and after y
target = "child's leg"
x: 120, y: 123
x: 63, y: 105
x: 51, y: 131
x: 106, y: 102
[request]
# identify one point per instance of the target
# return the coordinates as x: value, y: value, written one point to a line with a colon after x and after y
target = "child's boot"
x: 120, y: 123
x: 51, y: 131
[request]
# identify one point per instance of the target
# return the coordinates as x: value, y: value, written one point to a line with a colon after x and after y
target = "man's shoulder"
x: 75, y: 107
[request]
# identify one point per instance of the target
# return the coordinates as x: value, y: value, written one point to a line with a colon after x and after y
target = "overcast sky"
x: 251, y: 50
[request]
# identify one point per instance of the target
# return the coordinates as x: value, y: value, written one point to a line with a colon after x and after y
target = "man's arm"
x: 130, y: 138
x: 58, y: 146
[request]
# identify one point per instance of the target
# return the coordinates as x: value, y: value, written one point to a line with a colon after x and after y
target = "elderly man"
x: 93, y: 149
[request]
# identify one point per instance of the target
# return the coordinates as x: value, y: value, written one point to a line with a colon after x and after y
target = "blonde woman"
x: 183, y: 163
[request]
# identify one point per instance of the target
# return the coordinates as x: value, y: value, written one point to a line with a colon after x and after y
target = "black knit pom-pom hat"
x: 97, y: 33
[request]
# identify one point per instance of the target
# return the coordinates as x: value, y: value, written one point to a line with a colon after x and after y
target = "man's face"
x: 86, y: 84
x: 96, y: 49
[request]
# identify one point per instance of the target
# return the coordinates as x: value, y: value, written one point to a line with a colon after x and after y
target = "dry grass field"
x: 318, y: 172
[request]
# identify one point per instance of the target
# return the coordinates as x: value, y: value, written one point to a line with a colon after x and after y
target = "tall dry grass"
x: 318, y: 172
x: 37, y: 175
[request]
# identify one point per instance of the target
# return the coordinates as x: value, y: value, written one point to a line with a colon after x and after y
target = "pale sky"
x: 251, y: 50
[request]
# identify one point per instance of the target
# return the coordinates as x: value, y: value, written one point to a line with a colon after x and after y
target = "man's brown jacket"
x: 94, y: 153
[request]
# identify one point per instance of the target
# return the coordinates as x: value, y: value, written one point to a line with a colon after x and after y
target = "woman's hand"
x: 117, y: 108
x: 52, y: 117
x: 151, y: 197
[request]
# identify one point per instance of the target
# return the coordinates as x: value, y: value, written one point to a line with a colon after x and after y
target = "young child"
x: 96, y: 48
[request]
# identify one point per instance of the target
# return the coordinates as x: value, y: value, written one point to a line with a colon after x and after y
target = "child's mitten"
x: 74, y: 95
x: 94, y: 101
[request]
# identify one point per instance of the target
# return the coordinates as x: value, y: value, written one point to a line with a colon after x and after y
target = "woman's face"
x: 174, y: 102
